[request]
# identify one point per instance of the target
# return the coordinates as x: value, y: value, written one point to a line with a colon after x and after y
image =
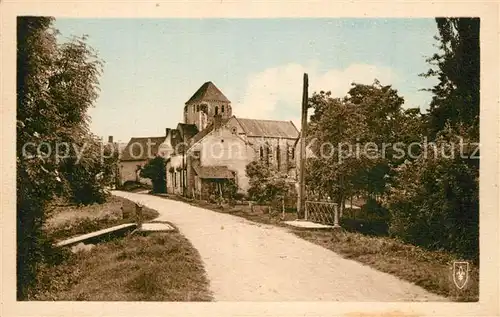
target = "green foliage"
x: 375, y: 209
x: 56, y: 84
x: 435, y: 200
x: 155, y: 170
x: 435, y: 203
x: 432, y: 200
x: 369, y: 113
x: 456, y: 66
x: 86, y: 177
x: 266, y: 183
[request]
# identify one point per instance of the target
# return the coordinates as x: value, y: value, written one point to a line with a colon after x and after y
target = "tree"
x: 457, y: 65
x: 267, y: 185
x: 85, y: 178
x: 369, y: 116
x: 155, y: 170
x: 56, y: 84
x: 434, y: 201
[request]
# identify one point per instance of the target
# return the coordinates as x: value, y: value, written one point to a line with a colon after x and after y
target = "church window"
x: 197, y: 108
x: 222, y: 109
x: 278, y: 158
x: 266, y: 157
x: 261, y: 153
x: 216, y: 110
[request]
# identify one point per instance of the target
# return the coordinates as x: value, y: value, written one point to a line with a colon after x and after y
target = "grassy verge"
x: 432, y: 270
x: 70, y: 220
x: 259, y: 213
x: 156, y: 267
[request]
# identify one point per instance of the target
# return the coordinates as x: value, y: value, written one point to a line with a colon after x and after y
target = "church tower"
x: 206, y: 102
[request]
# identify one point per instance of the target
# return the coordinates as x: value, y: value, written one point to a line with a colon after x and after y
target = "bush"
x: 435, y: 204
x: 267, y: 184
x: 374, y: 210
x: 155, y: 170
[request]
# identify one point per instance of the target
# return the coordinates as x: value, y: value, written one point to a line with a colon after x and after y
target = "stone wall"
x: 278, y: 152
x: 192, y: 112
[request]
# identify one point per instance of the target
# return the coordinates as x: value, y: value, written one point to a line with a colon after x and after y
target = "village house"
x: 137, y: 153
x: 139, y: 150
x: 213, y: 147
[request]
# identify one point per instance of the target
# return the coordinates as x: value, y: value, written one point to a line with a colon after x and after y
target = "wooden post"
x: 336, y: 217
x: 303, y: 133
x: 306, y: 212
x: 220, y: 191
x: 283, y: 207
x: 138, y: 215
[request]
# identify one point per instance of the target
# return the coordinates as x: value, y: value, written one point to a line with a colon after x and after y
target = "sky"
x: 153, y: 66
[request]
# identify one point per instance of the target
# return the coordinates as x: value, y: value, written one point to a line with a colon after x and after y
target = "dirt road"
x: 246, y: 261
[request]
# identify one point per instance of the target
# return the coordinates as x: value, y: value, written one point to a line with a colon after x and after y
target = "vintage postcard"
x: 250, y: 159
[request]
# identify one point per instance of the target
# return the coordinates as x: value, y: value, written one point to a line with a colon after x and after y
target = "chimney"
x: 110, y: 139
x: 217, y: 121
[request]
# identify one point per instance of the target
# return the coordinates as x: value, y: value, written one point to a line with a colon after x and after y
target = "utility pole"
x: 302, y: 185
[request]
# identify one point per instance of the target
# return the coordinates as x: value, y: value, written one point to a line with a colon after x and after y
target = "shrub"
x: 267, y: 184
x: 374, y: 210
x: 435, y: 204
x: 155, y: 169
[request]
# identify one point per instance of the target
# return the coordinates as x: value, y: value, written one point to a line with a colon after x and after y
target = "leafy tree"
x: 456, y: 66
x: 435, y: 199
x: 85, y: 178
x: 266, y: 183
x: 368, y: 114
x: 155, y: 170
x: 56, y: 84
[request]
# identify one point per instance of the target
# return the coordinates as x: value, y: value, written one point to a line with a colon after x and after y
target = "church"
x: 212, y: 146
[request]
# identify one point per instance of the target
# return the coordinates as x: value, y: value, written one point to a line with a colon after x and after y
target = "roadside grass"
x: 67, y: 220
x: 431, y: 270
x: 154, y: 267
x: 259, y: 213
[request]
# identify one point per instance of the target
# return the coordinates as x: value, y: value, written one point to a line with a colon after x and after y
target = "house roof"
x: 137, y: 148
x: 213, y: 172
x: 200, y: 135
x: 268, y: 128
x: 208, y: 92
x: 187, y: 130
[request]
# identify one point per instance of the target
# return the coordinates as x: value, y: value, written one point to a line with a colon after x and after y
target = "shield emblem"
x: 460, y: 274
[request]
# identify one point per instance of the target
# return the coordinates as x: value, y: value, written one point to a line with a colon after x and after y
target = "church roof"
x: 268, y: 128
x: 208, y: 92
x: 187, y: 130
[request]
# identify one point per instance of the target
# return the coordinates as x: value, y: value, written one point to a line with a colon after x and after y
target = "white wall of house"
x: 223, y: 148
x: 128, y: 172
x: 174, y: 179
